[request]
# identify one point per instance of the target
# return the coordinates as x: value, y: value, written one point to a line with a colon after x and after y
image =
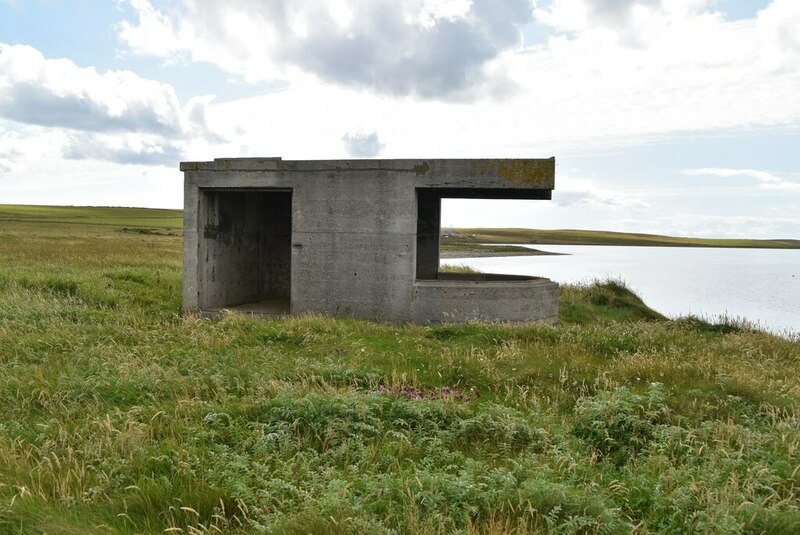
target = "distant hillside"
x: 94, y: 215
x: 596, y: 237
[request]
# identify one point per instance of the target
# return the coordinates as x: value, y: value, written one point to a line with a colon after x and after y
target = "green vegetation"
x: 603, y: 302
x: 455, y: 268
x: 119, y: 415
x: 596, y: 237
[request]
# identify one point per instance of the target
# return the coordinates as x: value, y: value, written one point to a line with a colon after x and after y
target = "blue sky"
x: 665, y: 116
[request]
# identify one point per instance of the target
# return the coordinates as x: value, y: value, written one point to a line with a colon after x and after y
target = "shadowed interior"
x: 246, y: 245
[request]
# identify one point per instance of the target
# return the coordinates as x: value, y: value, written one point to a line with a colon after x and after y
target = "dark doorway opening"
x: 245, y: 250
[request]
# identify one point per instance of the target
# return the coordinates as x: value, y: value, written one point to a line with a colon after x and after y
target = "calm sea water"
x: 760, y: 285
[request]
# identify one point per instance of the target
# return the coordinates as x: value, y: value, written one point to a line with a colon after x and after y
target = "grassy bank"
x: 119, y: 415
x: 596, y: 237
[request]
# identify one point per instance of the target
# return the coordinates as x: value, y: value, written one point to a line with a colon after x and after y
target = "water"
x: 759, y: 285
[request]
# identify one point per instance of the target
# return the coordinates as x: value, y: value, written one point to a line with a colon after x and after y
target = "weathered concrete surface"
x: 446, y: 301
x: 356, y: 238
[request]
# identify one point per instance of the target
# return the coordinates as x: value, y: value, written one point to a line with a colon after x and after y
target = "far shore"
x: 481, y: 251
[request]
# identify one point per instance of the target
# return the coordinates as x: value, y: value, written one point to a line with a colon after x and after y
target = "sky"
x: 676, y: 117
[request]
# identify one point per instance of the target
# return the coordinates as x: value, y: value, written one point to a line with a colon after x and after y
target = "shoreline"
x: 479, y: 253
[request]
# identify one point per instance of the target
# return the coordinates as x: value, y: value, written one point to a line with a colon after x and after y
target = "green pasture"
x: 118, y: 414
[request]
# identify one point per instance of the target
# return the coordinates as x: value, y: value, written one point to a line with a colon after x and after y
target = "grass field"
x: 120, y: 415
x: 596, y: 237
x: 142, y: 218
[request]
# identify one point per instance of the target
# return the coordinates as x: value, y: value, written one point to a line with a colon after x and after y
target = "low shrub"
x: 619, y: 424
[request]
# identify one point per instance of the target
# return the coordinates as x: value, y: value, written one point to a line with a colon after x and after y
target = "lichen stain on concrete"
x: 422, y: 169
x: 211, y: 232
x: 521, y: 172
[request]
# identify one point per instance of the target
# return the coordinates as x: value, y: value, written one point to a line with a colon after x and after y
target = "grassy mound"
x: 117, y: 414
x: 603, y: 301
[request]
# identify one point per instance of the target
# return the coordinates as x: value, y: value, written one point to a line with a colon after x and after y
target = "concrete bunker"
x: 349, y: 238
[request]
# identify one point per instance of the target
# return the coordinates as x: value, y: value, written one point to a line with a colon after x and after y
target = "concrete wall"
x: 355, y: 246
x: 429, y: 216
x: 517, y: 301
x: 276, y: 252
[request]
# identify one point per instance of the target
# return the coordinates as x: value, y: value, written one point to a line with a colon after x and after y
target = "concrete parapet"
x: 492, y: 298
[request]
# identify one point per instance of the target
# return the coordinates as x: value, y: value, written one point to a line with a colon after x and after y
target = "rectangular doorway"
x: 245, y: 253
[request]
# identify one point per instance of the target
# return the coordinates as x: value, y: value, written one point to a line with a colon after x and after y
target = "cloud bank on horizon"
x: 668, y: 116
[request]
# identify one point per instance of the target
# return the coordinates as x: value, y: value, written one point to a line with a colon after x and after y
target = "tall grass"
x: 457, y: 268
x: 118, y: 414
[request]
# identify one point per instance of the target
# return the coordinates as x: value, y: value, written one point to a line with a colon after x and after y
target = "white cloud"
x: 765, y: 179
x: 115, y: 116
x: 194, y: 119
x: 362, y: 145
x: 666, y: 69
x: 38, y: 173
x: 643, y: 69
x: 427, y: 48
x: 777, y: 26
x: 56, y: 92
x: 123, y: 149
x: 8, y: 155
x: 714, y: 225
x: 616, y: 15
x: 586, y: 192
